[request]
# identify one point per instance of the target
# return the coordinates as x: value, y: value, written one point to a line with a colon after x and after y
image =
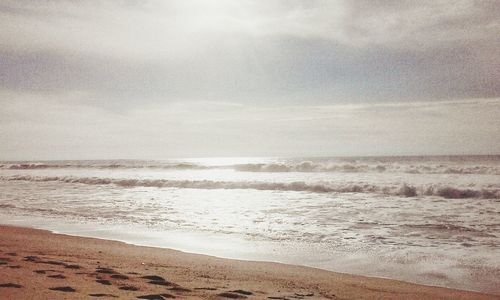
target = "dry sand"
x: 37, y: 264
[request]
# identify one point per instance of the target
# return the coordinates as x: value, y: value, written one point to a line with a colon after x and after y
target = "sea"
x: 433, y: 220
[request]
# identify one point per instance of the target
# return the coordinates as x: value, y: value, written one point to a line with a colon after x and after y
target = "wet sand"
x: 38, y: 264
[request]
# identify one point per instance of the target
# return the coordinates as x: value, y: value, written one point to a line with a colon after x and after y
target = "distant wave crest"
x: 32, y: 166
x: 293, y: 166
x: 323, y: 187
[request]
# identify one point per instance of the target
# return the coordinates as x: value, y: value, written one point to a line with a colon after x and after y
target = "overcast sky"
x: 161, y: 79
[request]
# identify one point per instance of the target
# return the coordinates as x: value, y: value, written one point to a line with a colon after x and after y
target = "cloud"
x: 86, y: 78
x: 34, y: 127
x: 171, y: 29
x: 225, y: 49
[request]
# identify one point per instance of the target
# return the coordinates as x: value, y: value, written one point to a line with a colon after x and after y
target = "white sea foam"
x: 297, y: 186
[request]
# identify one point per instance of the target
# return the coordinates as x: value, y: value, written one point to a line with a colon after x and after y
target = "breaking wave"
x: 299, y: 166
x: 299, y: 186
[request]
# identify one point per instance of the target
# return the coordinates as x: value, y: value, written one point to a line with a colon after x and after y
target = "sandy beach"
x: 38, y: 264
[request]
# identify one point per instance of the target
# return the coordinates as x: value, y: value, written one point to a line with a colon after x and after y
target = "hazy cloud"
x: 121, y: 63
x: 59, y: 130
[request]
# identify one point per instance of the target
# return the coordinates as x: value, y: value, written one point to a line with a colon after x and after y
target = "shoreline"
x: 79, y: 262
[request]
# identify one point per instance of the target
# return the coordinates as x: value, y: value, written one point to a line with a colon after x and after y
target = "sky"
x: 167, y: 79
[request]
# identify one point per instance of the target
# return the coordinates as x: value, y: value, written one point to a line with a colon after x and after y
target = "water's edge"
x: 191, y: 242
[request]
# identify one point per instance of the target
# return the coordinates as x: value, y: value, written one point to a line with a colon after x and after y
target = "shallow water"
x: 431, y: 220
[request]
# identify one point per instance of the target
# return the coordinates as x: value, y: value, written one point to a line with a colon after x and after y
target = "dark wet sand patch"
x: 66, y: 289
x: 206, y: 288
x: 10, y: 285
x: 119, y: 276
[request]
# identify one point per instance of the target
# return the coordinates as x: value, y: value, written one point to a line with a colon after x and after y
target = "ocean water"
x: 430, y: 220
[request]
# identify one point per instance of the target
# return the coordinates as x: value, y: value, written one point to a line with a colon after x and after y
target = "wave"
x: 288, y: 166
x: 32, y: 166
x: 308, y: 166
x: 403, y: 190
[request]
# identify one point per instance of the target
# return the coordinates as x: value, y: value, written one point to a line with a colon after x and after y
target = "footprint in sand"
x: 72, y: 266
x: 156, y: 296
x: 179, y: 289
x: 304, y: 295
x: 58, y: 276
x: 243, y: 292
x: 119, y: 276
x: 154, y: 277
x: 4, y: 260
x: 231, y: 295
x: 158, y: 280
x: 66, y: 289
x: 105, y: 270
x: 45, y: 271
x: 103, y: 281
x: 129, y: 288
x: 32, y: 258
x: 10, y: 285
x: 15, y: 267
x: 103, y: 295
